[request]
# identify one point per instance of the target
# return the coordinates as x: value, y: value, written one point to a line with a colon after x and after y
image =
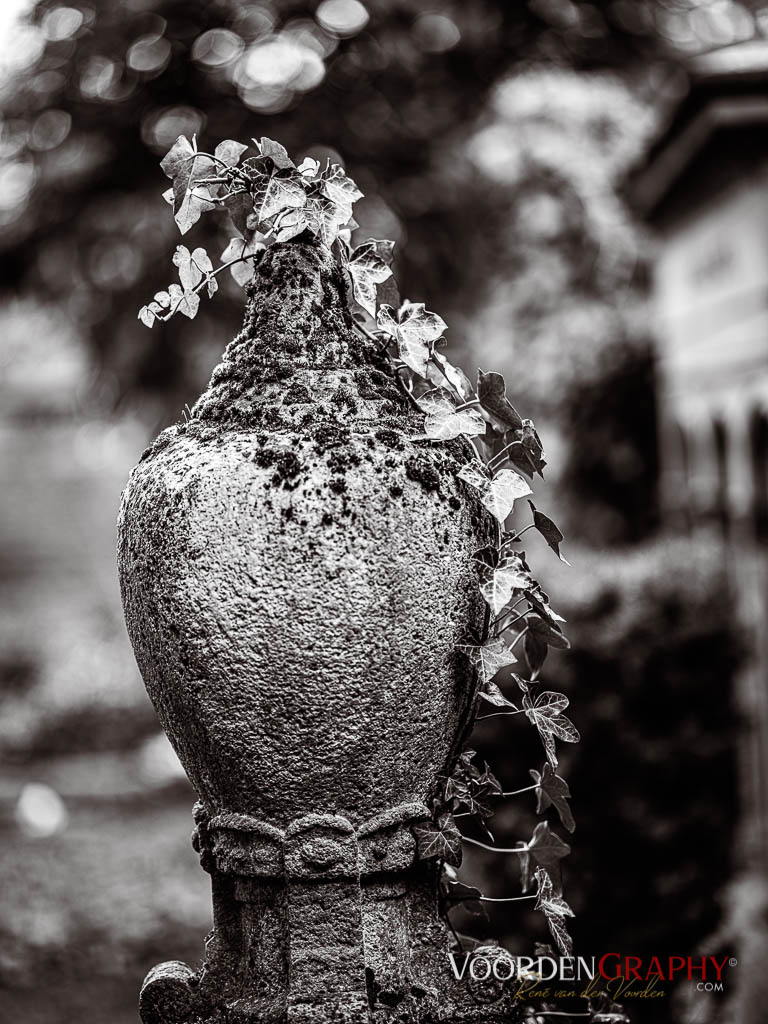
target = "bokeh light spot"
x: 270, y: 64
x: 50, y: 129
x: 217, y: 47
x: 149, y: 54
x: 255, y: 22
x: 311, y: 73
x: 436, y: 33
x: 16, y: 181
x: 61, y: 23
x: 114, y: 265
x: 309, y: 35
x: 343, y: 17
x: 161, y: 128
x: 40, y: 811
x: 100, y: 77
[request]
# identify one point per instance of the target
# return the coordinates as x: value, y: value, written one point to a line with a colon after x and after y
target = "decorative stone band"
x: 315, y: 847
x: 321, y: 923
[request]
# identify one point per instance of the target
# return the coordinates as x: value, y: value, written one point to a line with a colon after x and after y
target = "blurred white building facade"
x: 704, y: 192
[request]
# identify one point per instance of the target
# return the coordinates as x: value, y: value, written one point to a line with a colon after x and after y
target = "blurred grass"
x: 86, y: 913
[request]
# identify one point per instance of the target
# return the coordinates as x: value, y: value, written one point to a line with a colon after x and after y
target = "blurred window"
x: 758, y: 443
x: 720, y: 436
x: 684, y: 476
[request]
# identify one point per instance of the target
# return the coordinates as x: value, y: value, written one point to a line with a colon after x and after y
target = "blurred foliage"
x: 566, y: 284
x: 93, y: 94
x: 612, y: 469
x: 655, y: 646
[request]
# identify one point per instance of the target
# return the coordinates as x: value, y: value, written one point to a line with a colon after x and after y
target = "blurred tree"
x: 565, y: 284
x: 93, y: 95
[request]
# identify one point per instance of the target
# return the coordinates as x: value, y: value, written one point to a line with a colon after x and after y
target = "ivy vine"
x: 271, y: 199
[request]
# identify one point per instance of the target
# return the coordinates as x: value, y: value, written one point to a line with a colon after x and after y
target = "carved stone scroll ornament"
x: 296, y: 574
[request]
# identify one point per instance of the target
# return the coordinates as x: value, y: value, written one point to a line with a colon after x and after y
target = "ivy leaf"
x: 548, y: 704
x: 439, y: 370
x: 488, y: 659
x: 440, y: 839
x: 367, y: 268
x: 147, y: 316
x: 236, y: 249
x: 192, y: 266
x: 183, y: 301
x: 548, y: 849
x: 195, y: 202
x: 545, y: 712
x: 548, y: 530
x: 277, y: 193
x: 229, y: 152
x: 498, y: 583
x: 239, y: 206
x: 518, y: 456
x: 414, y: 329
x: 185, y: 166
x: 387, y: 293
x: 177, y: 157
x: 322, y: 217
x: 308, y: 167
x: 497, y: 493
x: 278, y: 154
x: 289, y: 224
x: 492, y: 393
x: 385, y: 247
x: 525, y: 866
x: 555, y: 909
x: 444, y: 421
x: 342, y: 191
x: 535, y: 650
x: 168, y: 196
x: 540, y: 602
x: 469, y: 787
x: 553, y: 791
x: 492, y: 693
x: 458, y: 892
x: 532, y: 444
x: 547, y: 633
x: 524, y: 684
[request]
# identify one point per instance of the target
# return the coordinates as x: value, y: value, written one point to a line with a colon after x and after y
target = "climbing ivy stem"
x: 203, y: 282
x: 516, y: 792
x: 508, y: 611
x: 364, y: 331
x: 496, y: 849
x: 499, y: 714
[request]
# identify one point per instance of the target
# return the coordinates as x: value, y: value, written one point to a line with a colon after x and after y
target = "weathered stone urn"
x: 296, y: 574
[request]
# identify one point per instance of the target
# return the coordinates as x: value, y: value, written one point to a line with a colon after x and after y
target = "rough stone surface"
x: 296, y: 574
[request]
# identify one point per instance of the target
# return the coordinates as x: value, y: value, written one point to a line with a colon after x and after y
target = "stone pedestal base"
x: 320, y: 923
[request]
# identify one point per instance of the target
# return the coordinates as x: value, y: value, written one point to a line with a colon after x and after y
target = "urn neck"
x: 297, y: 309
x: 297, y: 325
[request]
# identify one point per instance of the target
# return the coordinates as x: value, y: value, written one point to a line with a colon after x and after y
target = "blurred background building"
x: 704, y: 189
x: 545, y: 168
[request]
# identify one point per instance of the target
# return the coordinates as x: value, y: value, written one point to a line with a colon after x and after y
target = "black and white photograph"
x: 383, y: 512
